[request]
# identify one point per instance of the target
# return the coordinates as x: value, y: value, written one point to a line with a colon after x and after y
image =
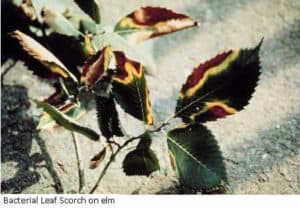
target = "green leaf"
x: 59, y: 23
x: 87, y: 26
x: 71, y: 110
x: 90, y: 7
x: 219, y: 87
x: 148, y: 22
x: 130, y: 88
x: 108, y: 118
x: 199, y: 161
x: 120, y: 44
x: 142, y: 160
x: 42, y: 55
x: 67, y: 122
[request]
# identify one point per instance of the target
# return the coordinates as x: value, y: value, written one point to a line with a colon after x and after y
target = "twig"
x: 111, y: 160
x: 114, y: 142
x: 163, y: 124
x: 79, y: 163
x: 120, y: 147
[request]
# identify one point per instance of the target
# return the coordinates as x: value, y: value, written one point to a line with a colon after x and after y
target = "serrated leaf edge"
x: 208, y: 93
x: 191, y: 156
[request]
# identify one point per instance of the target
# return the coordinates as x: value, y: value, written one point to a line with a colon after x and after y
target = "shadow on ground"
x: 18, y: 133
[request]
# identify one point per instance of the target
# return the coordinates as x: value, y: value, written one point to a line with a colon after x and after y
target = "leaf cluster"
x: 87, y: 63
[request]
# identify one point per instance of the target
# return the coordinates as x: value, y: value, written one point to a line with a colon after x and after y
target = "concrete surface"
x: 261, y: 144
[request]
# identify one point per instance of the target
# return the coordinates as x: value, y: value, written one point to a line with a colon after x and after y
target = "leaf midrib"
x: 198, y: 99
x: 191, y: 156
x: 140, y: 98
x: 184, y: 108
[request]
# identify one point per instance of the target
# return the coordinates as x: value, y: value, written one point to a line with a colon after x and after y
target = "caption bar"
x: 12, y: 200
x: 146, y: 201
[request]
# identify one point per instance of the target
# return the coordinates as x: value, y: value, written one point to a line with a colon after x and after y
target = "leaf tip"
x: 196, y: 24
x: 257, y: 48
